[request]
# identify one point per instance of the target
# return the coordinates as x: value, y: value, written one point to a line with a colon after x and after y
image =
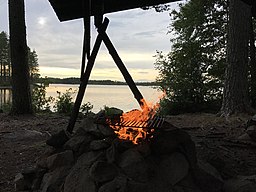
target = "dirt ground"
x: 218, y: 141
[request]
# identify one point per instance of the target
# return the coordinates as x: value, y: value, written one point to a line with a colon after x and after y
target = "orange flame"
x: 138, y: 133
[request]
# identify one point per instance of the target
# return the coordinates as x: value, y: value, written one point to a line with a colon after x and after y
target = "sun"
x: 41, y: 21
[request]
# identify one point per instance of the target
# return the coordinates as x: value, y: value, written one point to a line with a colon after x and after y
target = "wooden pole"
x: 85, y: 77
x: 112, y: 51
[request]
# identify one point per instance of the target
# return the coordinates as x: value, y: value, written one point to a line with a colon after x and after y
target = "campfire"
x: 135, y: 125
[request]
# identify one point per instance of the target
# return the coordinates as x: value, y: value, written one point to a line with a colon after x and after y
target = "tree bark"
x: 236, y: 93
x: 21, y: 94
x: 252, y: 65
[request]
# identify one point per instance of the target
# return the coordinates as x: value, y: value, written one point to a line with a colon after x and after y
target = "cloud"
x: 136, y: 34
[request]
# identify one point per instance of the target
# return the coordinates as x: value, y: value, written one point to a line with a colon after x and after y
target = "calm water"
x: 119, y: 96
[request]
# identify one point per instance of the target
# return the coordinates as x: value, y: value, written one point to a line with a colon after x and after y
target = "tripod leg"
x: 112, y: 51
x: 85, y: 78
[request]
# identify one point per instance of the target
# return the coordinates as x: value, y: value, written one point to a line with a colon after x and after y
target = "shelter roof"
x: 75, y: 9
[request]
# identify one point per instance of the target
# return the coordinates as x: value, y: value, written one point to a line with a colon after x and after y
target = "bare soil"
x: 217, y: 139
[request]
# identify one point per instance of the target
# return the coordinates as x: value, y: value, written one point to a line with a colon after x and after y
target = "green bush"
x: 86, y: 109
x: 6, y: 107
x: 64, y: 103
x: 39, y: 100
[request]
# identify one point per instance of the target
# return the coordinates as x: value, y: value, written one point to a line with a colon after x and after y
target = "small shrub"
x: 86, y: 109
x: 39, y: 100
x: 6, y: 107
x: 64, y: 102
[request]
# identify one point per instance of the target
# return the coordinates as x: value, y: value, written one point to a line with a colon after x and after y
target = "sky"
x: 136, y: 35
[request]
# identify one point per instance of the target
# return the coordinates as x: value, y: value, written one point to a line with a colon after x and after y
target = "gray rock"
x: 112, y: 153
x: 75, y: 142
x: 59, y: 139
x: 138, y: 171
x: 143, y: 149
x: 166, y: 142
x: 102, y: 171
x: 129, y: 157
x: 117, y: 148
x: 20, y: 183
x: 208, y: 178
x: 38, y: 179
x: 42, y: 160
x: 53, y: 181
x: 173, y: 168
x: 99, y: 144
x: 133, y: 186
x: 87, y: 159
x: 79, y: 179
x: 106, y: 131
x: 241, y: 184
x: 187, y: 184
x: 65, y: 158
x: 90, y: 127
x: 116, y: 185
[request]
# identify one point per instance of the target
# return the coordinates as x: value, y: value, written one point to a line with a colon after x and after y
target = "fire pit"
x: 135, y: 125
x: 95, y: 159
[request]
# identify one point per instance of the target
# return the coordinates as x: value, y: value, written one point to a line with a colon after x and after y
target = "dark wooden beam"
x: 112, y: 51
x: 85, y: 78
x: 73, y: 9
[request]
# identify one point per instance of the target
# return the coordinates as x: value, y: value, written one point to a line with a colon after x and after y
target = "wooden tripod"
x: 102, y: 36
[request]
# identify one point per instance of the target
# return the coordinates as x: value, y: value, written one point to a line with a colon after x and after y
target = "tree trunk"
x: 21, y: 94
x: 236, y: 93
x: 252, y: 65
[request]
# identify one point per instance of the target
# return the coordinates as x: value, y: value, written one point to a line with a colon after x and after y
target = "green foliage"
x: 192, y: 73
x: 39, y: 100
x: 5, y: 61
x: 86, y: 109
x: 6, y: 107
x: 33, y: 65
x: 64, y: 102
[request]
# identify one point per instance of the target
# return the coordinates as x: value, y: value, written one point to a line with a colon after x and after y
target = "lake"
x: 119, y: 96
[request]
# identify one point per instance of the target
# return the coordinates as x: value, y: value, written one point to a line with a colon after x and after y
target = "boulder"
x: 173, y: 168
x: 52, y: 181
x: 208, y: 178
x: 20, y: 183
x: 99, y: 144
x: 75, y: 142
x: 102, y: 171
x: 64, y: 158
x: 116, y: 185
x: 129, y: 157
x: 58, y: 140
x: 79, y: 180
x: 166, y: 142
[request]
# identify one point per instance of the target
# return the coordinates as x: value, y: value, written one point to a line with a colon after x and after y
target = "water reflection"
x: 5, y: 96
x: 119, y: 96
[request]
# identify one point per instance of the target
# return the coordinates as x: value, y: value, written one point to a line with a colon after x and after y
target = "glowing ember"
x: 136, y: 131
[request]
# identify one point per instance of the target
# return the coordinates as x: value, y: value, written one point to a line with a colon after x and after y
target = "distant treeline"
x: 74, y: 80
